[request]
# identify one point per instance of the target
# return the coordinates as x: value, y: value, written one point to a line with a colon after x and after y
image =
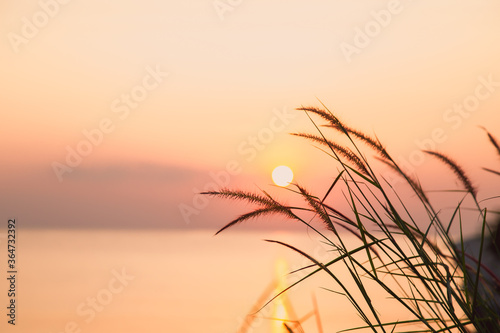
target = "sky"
x: 116, y: 114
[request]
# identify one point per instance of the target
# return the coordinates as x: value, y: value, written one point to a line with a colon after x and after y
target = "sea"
x: 128, y: 281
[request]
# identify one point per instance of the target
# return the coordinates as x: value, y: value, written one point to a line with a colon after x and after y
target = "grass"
x: 419, y: 265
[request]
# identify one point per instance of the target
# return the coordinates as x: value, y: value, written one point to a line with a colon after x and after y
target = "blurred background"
x: 116, y: 115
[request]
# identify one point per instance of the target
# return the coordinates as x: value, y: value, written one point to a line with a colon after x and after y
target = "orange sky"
x: 204, y: 80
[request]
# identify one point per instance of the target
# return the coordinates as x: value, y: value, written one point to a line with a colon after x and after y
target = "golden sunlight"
x: 280, y: 313
x: 282, y: 175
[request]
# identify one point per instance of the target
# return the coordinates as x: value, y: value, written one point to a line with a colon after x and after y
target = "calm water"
x: 160, y: 281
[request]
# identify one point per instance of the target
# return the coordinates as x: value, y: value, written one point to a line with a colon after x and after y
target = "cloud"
x: 134, y: 172
x: 141, y: 195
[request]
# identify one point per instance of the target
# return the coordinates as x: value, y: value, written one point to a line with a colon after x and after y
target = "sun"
x: 282, y: 175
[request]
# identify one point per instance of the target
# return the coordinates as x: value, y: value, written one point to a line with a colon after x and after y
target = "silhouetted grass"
x: 441, y: 287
